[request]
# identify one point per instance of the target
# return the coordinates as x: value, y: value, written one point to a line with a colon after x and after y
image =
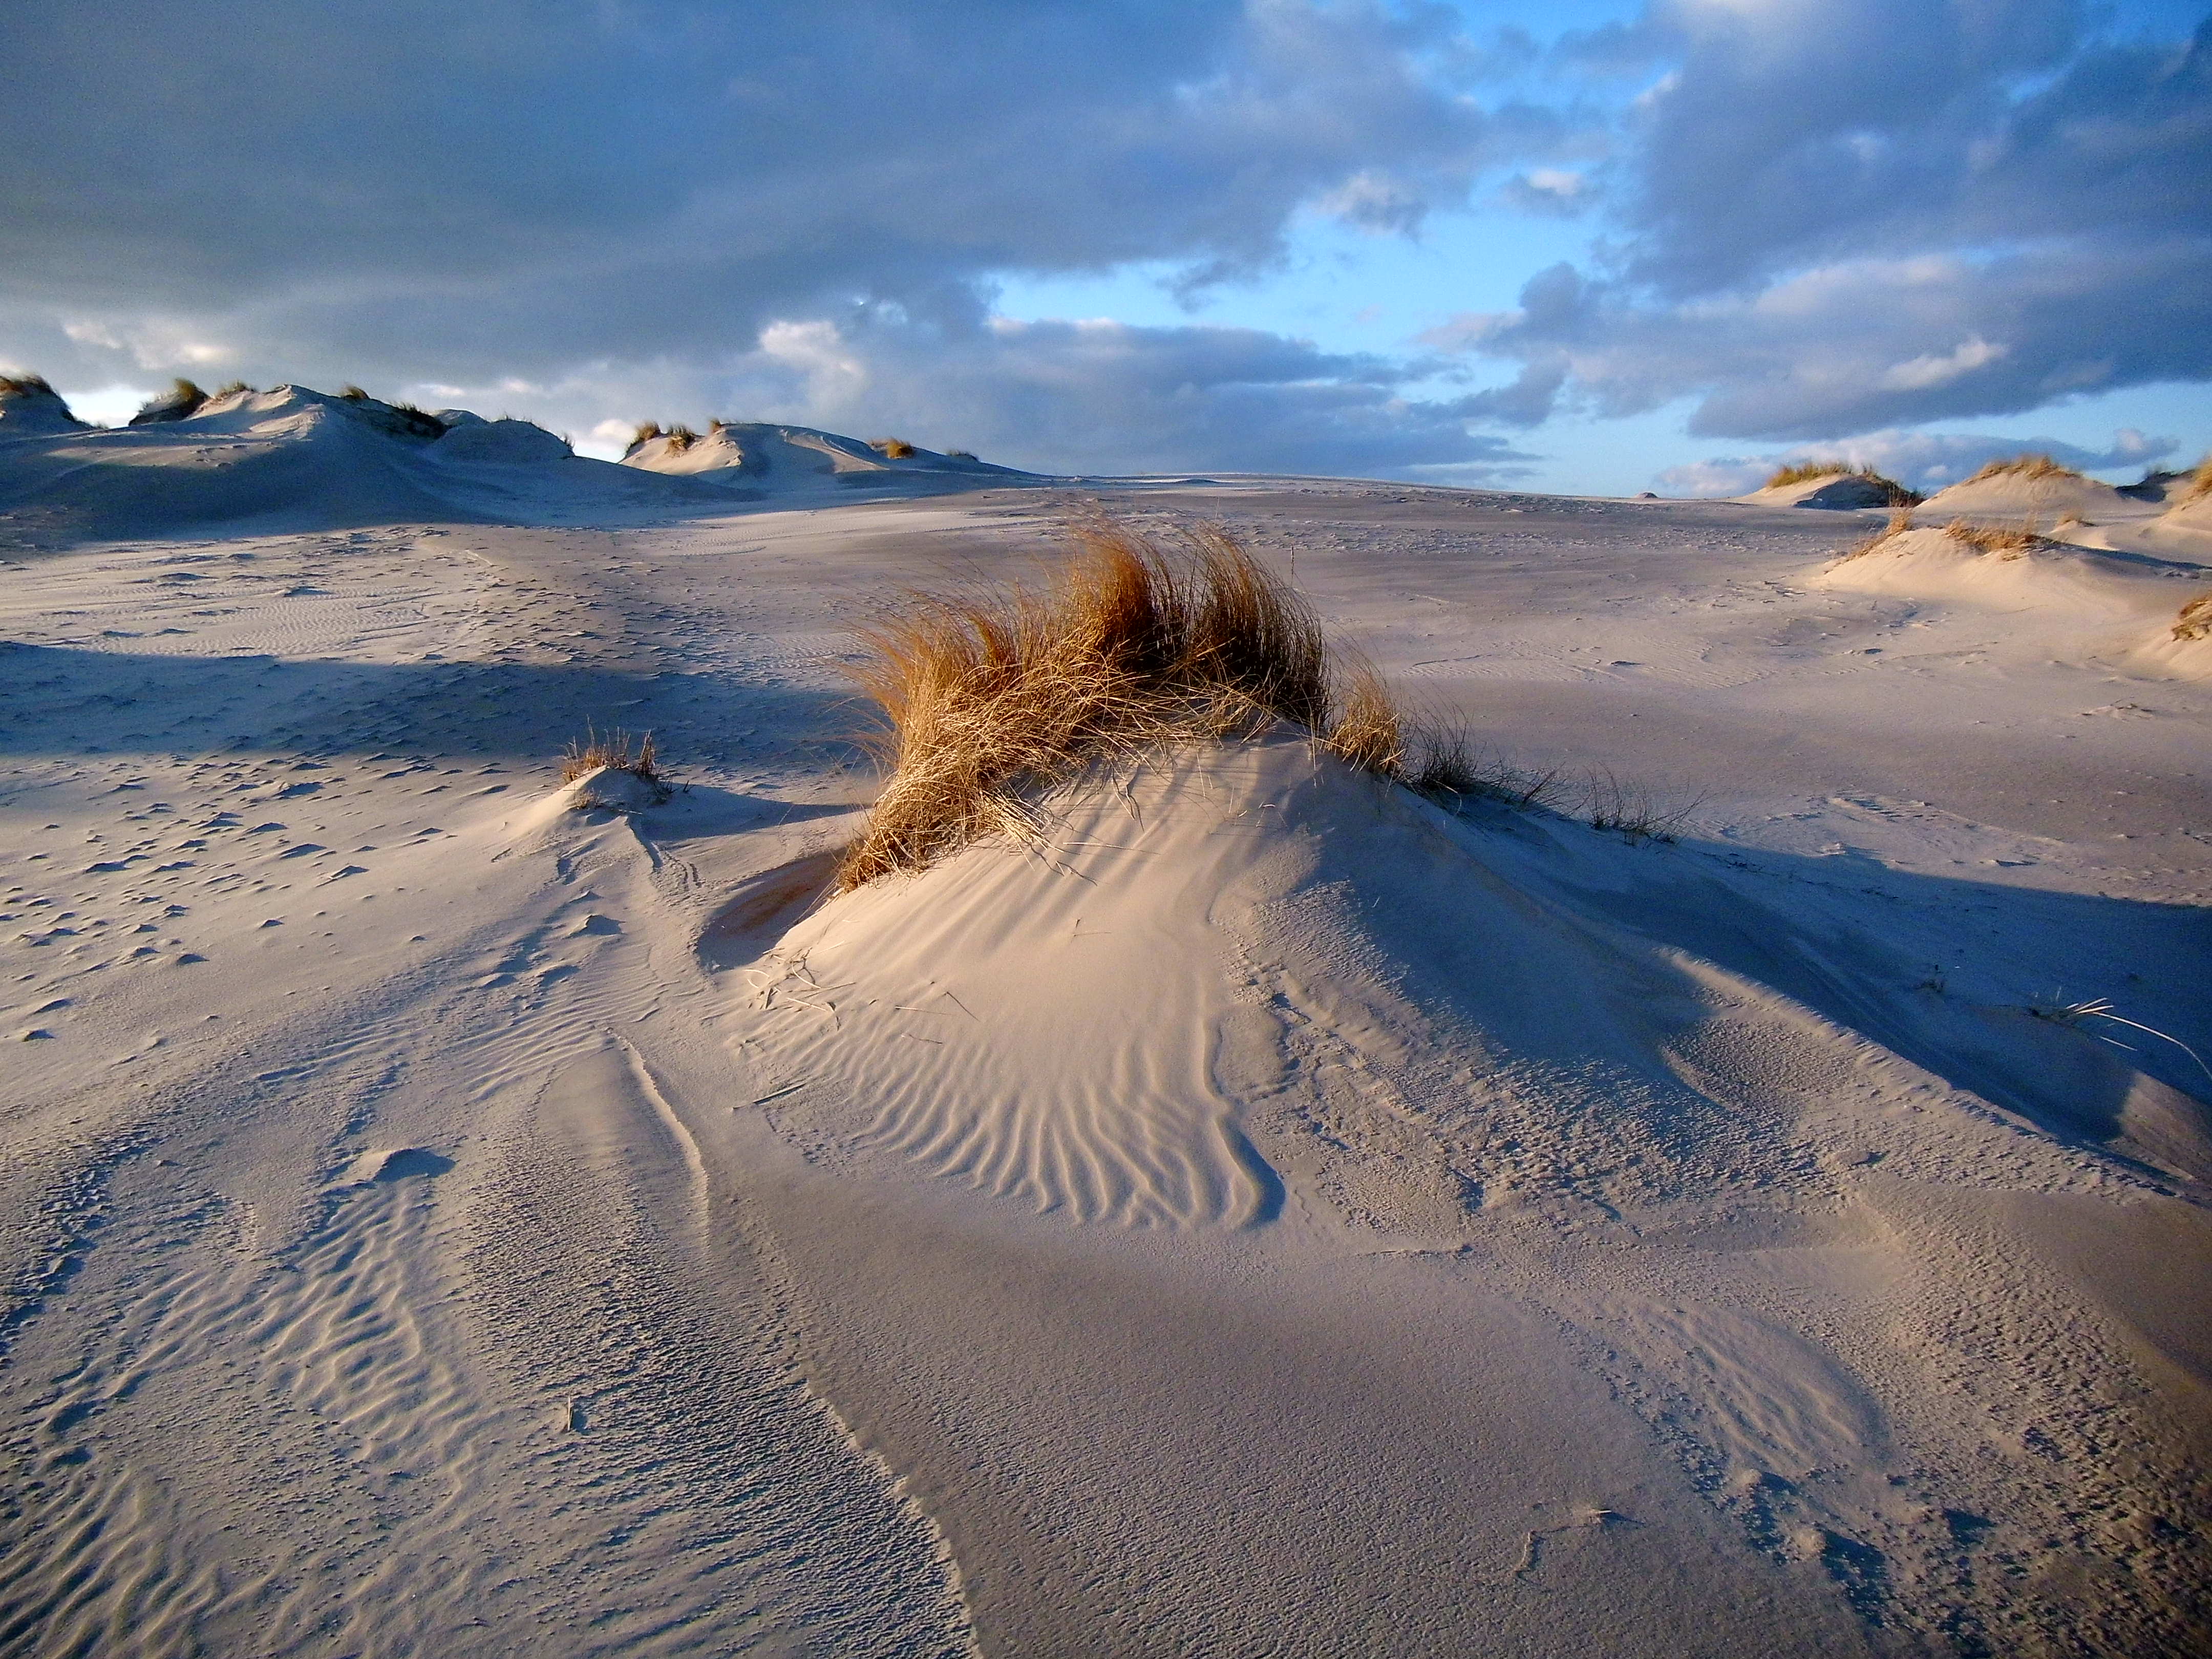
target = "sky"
x: 1583, y: 245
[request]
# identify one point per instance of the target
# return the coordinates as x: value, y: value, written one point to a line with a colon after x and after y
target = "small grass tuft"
x: 2200, y: 484
x: 960, y: 455
x: 612, y: 751
x: 646, y: 432
x: 231, y: 389
x: 2024, y: 466
x: 680, y: 437
x: 1900, y: 521
x: 2194, y: 621
x: 1367, y: 733
x: 25, y: 386
x: 1629, y: 809
x: 353, y: 394
x: 897, y: 448
x: 2006, y: 541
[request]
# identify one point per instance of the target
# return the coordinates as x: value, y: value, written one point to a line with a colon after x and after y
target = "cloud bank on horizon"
x: 1810, y: 223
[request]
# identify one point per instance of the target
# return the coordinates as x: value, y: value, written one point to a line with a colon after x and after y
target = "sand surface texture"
x: 452, y: 1211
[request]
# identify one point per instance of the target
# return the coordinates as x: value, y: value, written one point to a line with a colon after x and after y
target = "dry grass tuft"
x: 993, y: 697
x: 1368, y: 732
x: 2194, y: 621
x: 611, y: 750
x: 2026, y: 466
x: 646, y: 432
x: 1900, y: 521
x: 232, y: 389
x: 681, y: 437
x: 1805, y: 472
x: 2199, y: 486
x: 353, y: 394
x: 897, y: 448
x: 2006, y: 541
x: 183, y: 399
x: 25, y: 385
x: 960, y: 455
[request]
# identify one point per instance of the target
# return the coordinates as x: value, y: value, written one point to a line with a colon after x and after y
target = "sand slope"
x: 1252, y: 990
x: 2016, y: 496
x: 2099, y: 600
x: 1289, y: 1218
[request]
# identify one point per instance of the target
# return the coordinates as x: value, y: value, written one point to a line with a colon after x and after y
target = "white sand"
x: 1289, y: 1218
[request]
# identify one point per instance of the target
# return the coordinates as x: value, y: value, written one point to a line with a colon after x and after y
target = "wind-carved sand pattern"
x: 982, y: 1069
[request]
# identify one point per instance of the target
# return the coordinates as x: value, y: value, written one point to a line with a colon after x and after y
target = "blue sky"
x: 1576, y: 245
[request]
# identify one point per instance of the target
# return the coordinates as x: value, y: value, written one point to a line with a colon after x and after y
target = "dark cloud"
x: 513, y: 186
x: 1094, y: 397
x: 1860, y: 213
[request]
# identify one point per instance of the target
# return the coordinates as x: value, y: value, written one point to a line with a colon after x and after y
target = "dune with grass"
x: 1832, y: 484
x: 2031, y: 487
x: 2088, y: 600
x: 757, y: 454
x: 602, y: 1058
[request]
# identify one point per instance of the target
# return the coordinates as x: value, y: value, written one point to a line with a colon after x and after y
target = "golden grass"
x: 2006, y: 541
x: 21, y: 385
x: 2194, y: 621
x: 1805, y: 472
x: 1900, y: 521
x: 232, y: 389
x: 2024, y: 466
x: 897, y: 448
x: 2200, y: 485
x: 681, y: 437
x: 646, y: 432
x: 992, y: 698
x: 353, y: 394
x: 611, y: 751
x: 1894, y: 494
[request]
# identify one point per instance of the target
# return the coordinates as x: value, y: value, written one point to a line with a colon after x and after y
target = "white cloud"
x: 1919, y: 373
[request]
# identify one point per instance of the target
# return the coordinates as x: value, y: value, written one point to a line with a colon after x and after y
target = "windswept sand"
x: 1289, y: 1218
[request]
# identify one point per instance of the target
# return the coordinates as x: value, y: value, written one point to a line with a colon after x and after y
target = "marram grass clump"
x: 2024, y: 466
x: 992, y: 698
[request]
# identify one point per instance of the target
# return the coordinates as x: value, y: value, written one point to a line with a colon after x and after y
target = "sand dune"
x: 752, y: 453
x: 1832, y: 489
x: 451, y: 1209
x: 2100, y: 599
x: 291, y: 458
x: 2044, y: 497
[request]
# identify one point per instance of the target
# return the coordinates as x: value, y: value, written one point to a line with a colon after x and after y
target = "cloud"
x: 1926, y: 461
x: 1837, y: 217
x: 1094, y: 397
x: 416, y: 188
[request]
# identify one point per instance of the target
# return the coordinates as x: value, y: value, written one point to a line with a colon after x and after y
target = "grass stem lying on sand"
x: 2073, y: 1013
x: 2194, y: 621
